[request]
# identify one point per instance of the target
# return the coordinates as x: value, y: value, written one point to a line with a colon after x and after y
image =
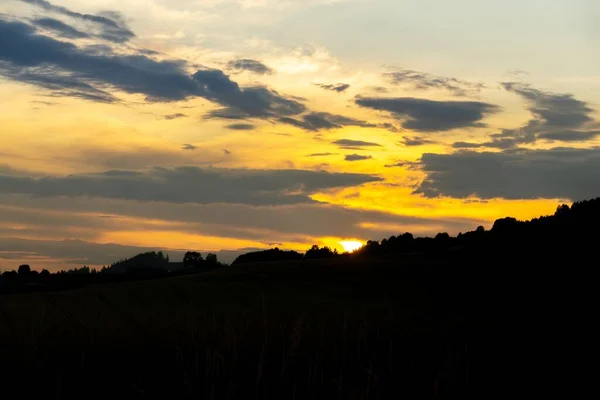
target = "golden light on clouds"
x: 426, y: 140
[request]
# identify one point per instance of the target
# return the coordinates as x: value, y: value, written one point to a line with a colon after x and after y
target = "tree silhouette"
x: 316, y: 252
x: 192, y: 259
x: 24, y: 270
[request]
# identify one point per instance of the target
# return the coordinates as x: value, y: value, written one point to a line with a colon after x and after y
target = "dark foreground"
x: 413, y: 327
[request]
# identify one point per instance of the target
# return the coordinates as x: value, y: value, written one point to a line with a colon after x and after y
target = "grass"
x: 334, y: 330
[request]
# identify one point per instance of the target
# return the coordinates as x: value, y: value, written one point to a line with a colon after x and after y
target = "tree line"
x: 149, y: 265
x: 569, y: 229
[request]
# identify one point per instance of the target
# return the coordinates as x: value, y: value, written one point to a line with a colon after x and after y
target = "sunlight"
x: 351, y: 245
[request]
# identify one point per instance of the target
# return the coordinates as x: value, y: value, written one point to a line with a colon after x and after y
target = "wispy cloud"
x: 339, y: 87
x: 249, y: 65
x: 424, y: 81
x: 112, y: 27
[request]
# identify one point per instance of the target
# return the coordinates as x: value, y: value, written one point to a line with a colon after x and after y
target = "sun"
x: 351, y: 245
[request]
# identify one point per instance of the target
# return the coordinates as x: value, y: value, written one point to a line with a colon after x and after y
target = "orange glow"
x: 351, y: 245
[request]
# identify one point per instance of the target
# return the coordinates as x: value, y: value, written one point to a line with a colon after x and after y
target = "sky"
x: 232, y: 125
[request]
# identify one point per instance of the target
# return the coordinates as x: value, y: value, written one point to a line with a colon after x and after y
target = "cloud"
x: 33, y: 58
x: 263, y: 223
x: 424, y: 81
x: 413, y: 141
x: 241, y: 127
x: 316, y: 121
x: 555, y: 117
x: 321, y: 154
x: 188, y: 146
x: 551, y: 109
x: 29, y: 54
x: 249, y: 65
x: 251, y: 102
x: 226, y: 152
x: 91, y: 72
x: 339, y: 87
x: 411, y: 165
x: 59, y: 85
x: 60, y: 28
x: 569, y: 136
x: 174, y: 116
x: 566, y: 173
x: 466, y: 145
x: 429, y: 115
x: 112, y: 26
x: 190, y: 185
x: 356, y: 157
x: 301, y: 223
x: 348, y: 143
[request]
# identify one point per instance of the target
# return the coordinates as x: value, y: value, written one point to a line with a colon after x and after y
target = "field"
x: 342, y: 329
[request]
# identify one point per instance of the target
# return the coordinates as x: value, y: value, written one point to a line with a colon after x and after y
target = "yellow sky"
x: 51, y: 136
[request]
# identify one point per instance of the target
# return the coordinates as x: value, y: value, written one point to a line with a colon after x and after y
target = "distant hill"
x: 268, y: 255
x: 150, y: 260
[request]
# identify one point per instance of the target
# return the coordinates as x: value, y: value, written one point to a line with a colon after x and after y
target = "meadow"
x: 343, y: 328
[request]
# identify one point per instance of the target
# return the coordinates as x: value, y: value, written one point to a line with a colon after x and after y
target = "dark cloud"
x: 339, y: 87
x: 466, y: 145
x: 565, y: 173
x: 188, y: 146
x: 569, y: 135
x: 413, y: 141
x: 555, y: 117
x: 321, y: 154
x: 251, y: 102
x: 241, y: 127
x: 423, y: 80
x: 357, y: 157
x: 33, y: 58
x: 111, y: 24
x: 174, y: 116
x: 428, y: 115
x: 316, y: 121
x: 60, y: 28
x: 59, y: 85
x: 551, y: 109
x: 90, y: 72
x: 249, y: 65
x: 226, y: 152
x: 404, y: 164
x: 189, y: 185
x: 355, y: 143
x: 28, y: 54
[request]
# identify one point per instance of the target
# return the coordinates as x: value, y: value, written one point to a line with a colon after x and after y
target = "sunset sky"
x: 228, y: 125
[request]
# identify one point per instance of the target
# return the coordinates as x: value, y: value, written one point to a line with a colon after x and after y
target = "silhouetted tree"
x: 316, y: 252
x: 562, y: 210
x: 192, y: 259
x: 443, y: 236
x: 211, y: 259
x: 24, y: 270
